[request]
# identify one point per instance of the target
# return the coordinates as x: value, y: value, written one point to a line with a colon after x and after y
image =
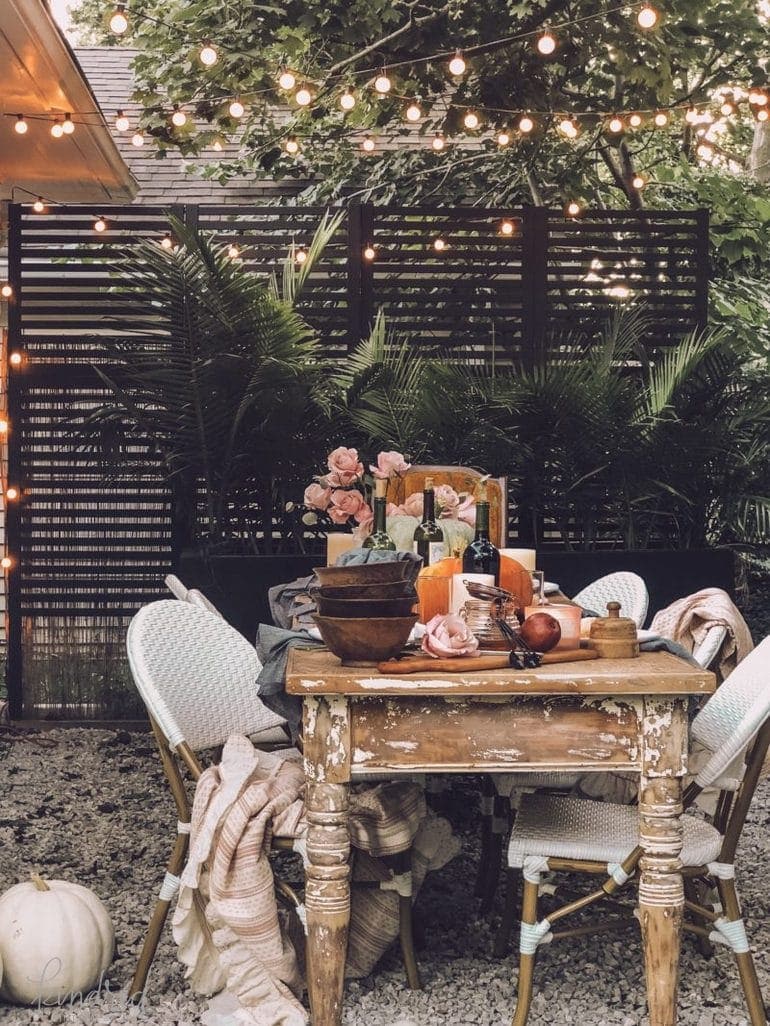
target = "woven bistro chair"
x: 197, y: 678
x: 624, y: 587
x: 553, y: 833
x: 191, y: 595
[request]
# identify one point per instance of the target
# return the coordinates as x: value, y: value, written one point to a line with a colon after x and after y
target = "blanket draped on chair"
x: 227, y: 925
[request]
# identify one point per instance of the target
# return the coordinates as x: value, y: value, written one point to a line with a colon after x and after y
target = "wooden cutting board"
x: 472, y: 664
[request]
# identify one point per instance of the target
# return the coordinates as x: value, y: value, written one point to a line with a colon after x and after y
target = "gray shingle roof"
x: 162, y: 181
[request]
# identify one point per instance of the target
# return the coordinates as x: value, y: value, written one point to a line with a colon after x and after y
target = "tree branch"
x: 413, y: 22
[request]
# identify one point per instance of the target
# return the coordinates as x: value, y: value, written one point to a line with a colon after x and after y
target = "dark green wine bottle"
x: 428, y: 537
x: 481, y: 556
x: 379, y: 538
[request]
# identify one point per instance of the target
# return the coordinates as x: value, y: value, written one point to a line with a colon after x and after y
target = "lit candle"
x: 527, y: 557
x: 569, y: 621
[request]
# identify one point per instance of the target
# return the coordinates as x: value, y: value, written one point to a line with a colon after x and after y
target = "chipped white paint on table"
x: 621, y: 714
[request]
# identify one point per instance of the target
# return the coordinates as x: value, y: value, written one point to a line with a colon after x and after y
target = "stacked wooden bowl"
x: 365, y: 611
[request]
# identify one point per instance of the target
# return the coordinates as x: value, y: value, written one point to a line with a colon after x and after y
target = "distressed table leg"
x: 661, y: 891
x: 327, y: 887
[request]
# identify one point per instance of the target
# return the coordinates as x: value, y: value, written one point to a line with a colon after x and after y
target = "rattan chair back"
x: 624, y: 587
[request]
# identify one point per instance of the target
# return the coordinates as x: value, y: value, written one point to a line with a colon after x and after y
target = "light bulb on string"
x: 439, y: 244
x: 303, y: 97
x: 292, y: 145
x: 471, y: 120
x: 11, y: 493
x: 727, y: 108
x: 300, y: 255
x: 178, y: 117
x: 287, y: 79
x: 118, y: 20
x: 568, y: 128
x: 507, y: 227
x: 546, y: 43
x: 347, y: 100
x: 635, y: 120
x: 137, y: 139
x: 368, y: 144
x: 100, y: 225
x: 761, y: 99
x: 754, y: 97
x: 661, y: 119
x: 208, y: 55
x: 638, y: 182
x: 21, y: 125
x: 762, y: 114
x: 234, y: 251
x: 413, y: 112
x: 38, y: 206
x: 457, y: 65
x: 4, y: 425
x: 704, y: 151
x: 573, y: 209
x: 526, y: 124
x: 56, y: 130
x: 369, y: 253
x: 382, y: 83
x: 615, y: 125
x: 647, y: 17
x: 691, y: 115
x: 6, y: 562
x: 503, y: 138
x: 121, y: 122
x: 439, y: 142
x: 236, y: 109
x: 218, y: 144
x: 6, y: 290
x: 167, y: 242
x: 68, y: 125
x: 15, y: 359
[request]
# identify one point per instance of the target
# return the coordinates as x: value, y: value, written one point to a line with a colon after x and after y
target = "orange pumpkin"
x: 434, y: 582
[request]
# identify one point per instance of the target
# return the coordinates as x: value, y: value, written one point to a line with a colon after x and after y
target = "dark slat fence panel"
x: 89, y: 552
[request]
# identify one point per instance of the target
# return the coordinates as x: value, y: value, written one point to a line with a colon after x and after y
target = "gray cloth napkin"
x: 273, y: 647
x: 661, y: 644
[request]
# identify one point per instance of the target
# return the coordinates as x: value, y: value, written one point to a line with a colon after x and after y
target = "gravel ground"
x: 91, y: 806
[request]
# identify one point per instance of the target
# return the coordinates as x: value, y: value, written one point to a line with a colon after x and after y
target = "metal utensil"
x: 522, y: 656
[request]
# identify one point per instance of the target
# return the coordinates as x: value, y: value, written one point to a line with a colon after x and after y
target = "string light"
x: 471, y: 120
x: 15, y: 359
x: 300, y: 255
x: 6, y: 562
x: 762, y: 114
x: 178, y: 117
x: 413, y: 112
x: 167, y: 242
x: 4, y: 426
x: 347, y: 100
x: 100, y: 225
x: 661, y: 119
x: 303, y: 97
x: 439, y: 142
x: 727, y: 108
x: 369, y: 253
x: 287, y: 79
x: 121, y: 122
x: 382, y: 83
x: 292, y: 145
x: 6, y: 291
x: 573, y: 209
x: 704, y: 151
x: 208, y: 55
x: 691, y: 116
x: 137, y: 139
x: 38, y: 206
x: 218, y: 144
x: 236, y: 109
x: 234, y: 251
x: 762, y: 99
x: 368, y: 144
x: 635, y: 120
x: 21, y: 125
x: 638, y: 182
x: 615, y: 125
x: 647, y: 17
x: 118, y: 20
x: 11, y: 493
x: 507, y: 227
x: 68, y: 125
x: 439, y: 244
x: 568, y: 128
x: 503, y: 138
x: 546, y: 44
x: 56, y: 130
x: 526, y: 124
x: 457, y: 65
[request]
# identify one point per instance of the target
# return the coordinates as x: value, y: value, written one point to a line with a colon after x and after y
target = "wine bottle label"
x: 436, y: 551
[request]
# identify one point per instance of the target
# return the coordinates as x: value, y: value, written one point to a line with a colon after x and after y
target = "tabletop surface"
x: 318, y: 672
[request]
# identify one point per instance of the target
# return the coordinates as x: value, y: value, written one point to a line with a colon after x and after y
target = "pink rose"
x: 413, y: 505
x: 392, y: 510
x: 345, y: 505
x: 365, y: 525
x: 344, y: 466
x: 447, y: 500
x: 449, y: 636
x: 466, y: 511
x: 317, y: 497
x: 389, y: 463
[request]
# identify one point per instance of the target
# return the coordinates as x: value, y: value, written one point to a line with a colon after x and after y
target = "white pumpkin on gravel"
x: 56, y: 939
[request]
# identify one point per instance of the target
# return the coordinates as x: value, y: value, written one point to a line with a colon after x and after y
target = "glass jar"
x: 482, y: 618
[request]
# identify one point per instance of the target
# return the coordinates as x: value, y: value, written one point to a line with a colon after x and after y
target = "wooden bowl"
x: 365, y: 640
x: 364, y: 573
x: 370, y: 592
x: 360, y: 608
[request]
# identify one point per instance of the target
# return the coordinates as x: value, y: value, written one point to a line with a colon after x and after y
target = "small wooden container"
x: 614, y: 636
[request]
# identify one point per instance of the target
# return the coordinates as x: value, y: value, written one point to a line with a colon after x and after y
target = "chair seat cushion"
x: 575, y: 828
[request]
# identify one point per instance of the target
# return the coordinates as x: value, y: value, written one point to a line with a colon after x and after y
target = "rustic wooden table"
x: 627, y: 714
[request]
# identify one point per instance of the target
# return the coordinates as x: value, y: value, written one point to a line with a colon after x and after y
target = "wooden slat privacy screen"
x: 90, y: 552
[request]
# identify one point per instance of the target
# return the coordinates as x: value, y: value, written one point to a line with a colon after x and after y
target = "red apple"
x: 541, y: 631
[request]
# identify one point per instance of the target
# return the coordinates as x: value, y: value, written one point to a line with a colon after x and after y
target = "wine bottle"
x: 428, y: 537
x: 379, y: 538
x: 481, y: 556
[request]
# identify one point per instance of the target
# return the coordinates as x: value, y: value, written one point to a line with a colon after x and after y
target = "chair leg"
x: 406, y: 938
x: 500, y: 827
x: 694, y: 891
x: 157, y: 922
x: 488, y: 795
x: 510, y: 910
x: 748, y: 973
x: 526, y: 962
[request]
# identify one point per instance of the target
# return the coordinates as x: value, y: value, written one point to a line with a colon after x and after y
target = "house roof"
x: 40, y: 76
x: 163, y: 180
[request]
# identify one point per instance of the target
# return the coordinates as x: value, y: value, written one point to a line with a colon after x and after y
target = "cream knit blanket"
x: 689, y: 619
